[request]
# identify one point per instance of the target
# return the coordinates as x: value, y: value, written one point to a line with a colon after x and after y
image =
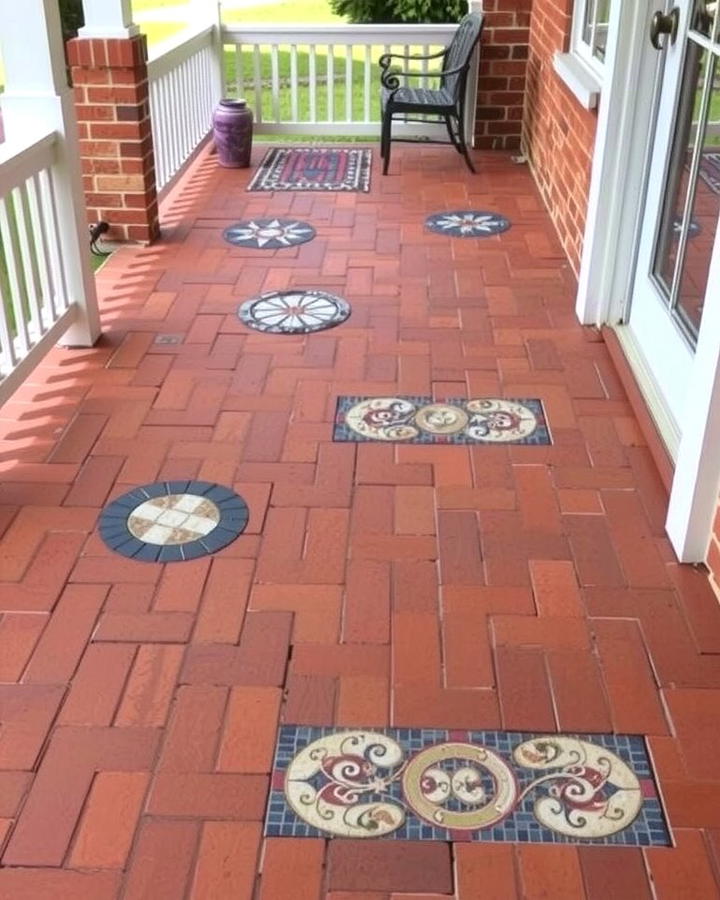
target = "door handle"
x: 664, y: 23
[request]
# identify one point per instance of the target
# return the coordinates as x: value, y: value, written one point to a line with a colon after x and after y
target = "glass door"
x: 683, y: 205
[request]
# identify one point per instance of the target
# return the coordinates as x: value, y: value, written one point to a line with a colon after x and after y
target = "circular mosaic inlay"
x: 269, y: 234
x: 173, y: 520
x: 395, y: 419
x: 441, y: 418
x: 459, y: 785
x: 467, y: 223
x: 294, y: 312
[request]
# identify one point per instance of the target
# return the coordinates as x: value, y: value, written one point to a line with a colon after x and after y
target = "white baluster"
x: 275, y: 69
x: 294, y: 83
x: 312, y: 78
x: 330, y: 83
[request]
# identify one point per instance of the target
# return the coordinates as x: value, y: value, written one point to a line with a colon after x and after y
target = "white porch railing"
x: 35, y: 307
x: 322, y: 80
x: 185, y: 85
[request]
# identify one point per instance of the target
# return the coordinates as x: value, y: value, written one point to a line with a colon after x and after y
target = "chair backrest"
x: 459, y: 53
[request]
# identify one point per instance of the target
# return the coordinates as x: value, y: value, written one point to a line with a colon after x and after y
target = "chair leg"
x: 451, y: 134
x: 386, y: 140
x: 462, y: 148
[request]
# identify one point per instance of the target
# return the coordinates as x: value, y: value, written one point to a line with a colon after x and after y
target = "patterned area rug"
x: 313, y: 169
x: 710, y: 170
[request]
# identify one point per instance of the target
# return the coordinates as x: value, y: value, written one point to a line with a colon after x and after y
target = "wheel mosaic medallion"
x: 269, y: 234
x: 422, y: 420
x: 467, y: 223
x: 437, y: 785
x: 294, y: 312
x: 172, y: 521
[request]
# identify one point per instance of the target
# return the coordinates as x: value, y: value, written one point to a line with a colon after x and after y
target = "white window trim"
x: 583, y: 82
x: 582, y: 72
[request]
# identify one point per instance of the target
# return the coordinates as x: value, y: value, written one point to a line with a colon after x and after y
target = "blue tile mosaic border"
x: 648, y: 828
x: 113, y: 522
x: 343, y: 431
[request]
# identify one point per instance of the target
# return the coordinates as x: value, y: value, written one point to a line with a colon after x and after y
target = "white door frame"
x: 615, y: 206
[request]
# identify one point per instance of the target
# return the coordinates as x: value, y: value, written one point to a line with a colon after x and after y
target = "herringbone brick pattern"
x: 525, y: 587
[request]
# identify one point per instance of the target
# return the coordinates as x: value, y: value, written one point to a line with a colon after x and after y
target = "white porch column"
x: 37, y: 99
x: 108, y: 19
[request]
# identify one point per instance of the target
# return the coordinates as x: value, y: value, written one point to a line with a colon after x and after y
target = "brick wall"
x: 503, y: 69
x: 558, y: 133
x: 713, y: 556
x: 110, y: 82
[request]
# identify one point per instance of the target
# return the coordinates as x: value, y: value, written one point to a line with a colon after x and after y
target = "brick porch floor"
x: 527, y: 588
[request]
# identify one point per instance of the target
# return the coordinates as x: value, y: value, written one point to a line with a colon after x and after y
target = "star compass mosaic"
x: 467, y: 223
x: 171, y: 521
x: 269, y: 234
x: 421, y: 420
x: 437, y: 785
x: 294, y: 312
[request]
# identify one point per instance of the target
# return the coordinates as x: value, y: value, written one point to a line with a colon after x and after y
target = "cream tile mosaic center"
x: 174, y: 519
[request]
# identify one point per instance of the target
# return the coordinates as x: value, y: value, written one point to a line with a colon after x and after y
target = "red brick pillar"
x: 112, y: 103
x: 503, y: 71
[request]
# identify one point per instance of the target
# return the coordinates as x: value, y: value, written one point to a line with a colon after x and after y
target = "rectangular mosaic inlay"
x: 438, y: 785
x: 422, y: 420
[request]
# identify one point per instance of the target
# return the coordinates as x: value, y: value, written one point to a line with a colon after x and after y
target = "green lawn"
x: 146, y: 5
x: 287, y: 12
x: 306, y: 12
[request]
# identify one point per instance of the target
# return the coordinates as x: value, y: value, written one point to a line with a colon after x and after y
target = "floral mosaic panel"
x: 438, y: 785
x: 172, y: 521
x: 422, y: 420
x: 468, y: 223
x: 269, y: 234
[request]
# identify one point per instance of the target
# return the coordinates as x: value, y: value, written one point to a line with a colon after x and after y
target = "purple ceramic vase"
x: 232, y: 130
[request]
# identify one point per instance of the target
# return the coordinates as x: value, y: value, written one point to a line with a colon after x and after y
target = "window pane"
x: 704, y: 18
x: 678, y: 175
x: 602, y: 18
x: 588, y: 22
x: 703, y: 221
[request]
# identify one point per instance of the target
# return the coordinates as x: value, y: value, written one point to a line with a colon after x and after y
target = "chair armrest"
x: 391, y: 80
x: 384, y: 60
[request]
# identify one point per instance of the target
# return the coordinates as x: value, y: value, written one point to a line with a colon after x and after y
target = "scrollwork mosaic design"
x: 488, y: 420
x: 438, y: 785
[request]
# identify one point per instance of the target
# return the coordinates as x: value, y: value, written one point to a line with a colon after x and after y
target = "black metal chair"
x: 447, y: 101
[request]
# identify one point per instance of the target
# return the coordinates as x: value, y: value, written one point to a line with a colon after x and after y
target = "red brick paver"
x: 459, y: 587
